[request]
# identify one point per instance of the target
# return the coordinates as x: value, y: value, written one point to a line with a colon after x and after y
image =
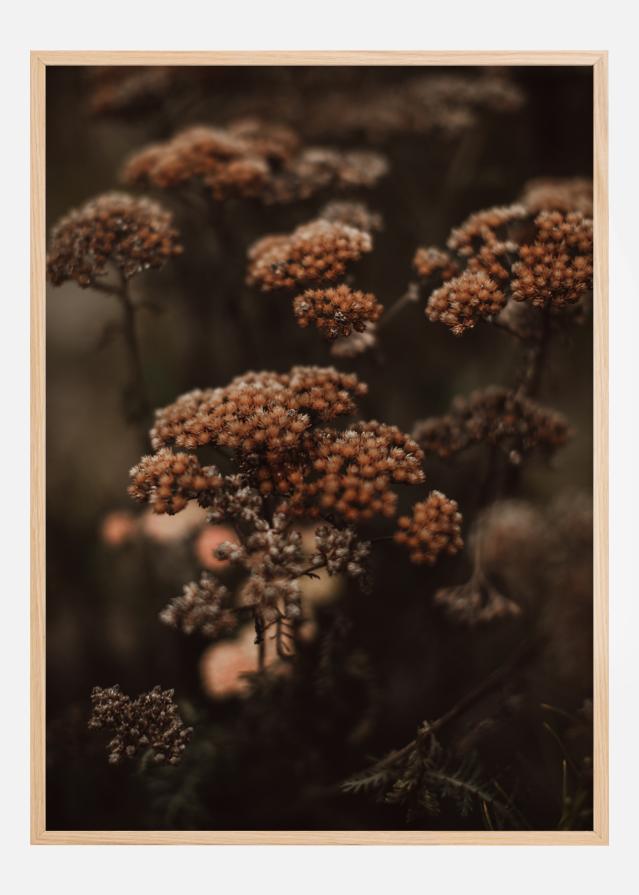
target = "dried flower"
x: 151, y: 721
x: 482, y: 228
x: 557, y: 268
x: 433, y: 528
x: 353, y: 214
x: 132, y: 234
x: 350, y: 473
x: 167, y: 481
x: 204, y: 606
x: 431, y: 260
x: 315, y: 252
x: 129, y: 91
x: 475, y: 603
x: 558, y: 194
x: 337, y: 311
x: 257, y: 412
x: 253, y: 160
x: 342, y: 551
x: 463, y: 301
x: 496, y: 416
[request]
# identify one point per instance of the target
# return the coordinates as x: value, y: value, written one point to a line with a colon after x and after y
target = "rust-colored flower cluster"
x: 167, y: 481
x: 351, y: 473
x: 151, y: 721
x: 264, y: 413
x: 131, y: 234
x: 337, y: 311
x: 496, y: 416
x: 461, y: 302
x: 433, y: 528
x: 316, y: 252
x: 505, y: 253
x: 252, y: 160
x: 353, y: 214
x: 556, y: 269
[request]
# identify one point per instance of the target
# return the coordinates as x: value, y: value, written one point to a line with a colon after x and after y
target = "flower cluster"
x: 475, y: 603
x: 558, y: 194
x: 131, y: 234
x: 497, y: 416
x: 151, y: 721
x: 128, y: 91
x: 348, y: 347
x: 203, y: 606
x: 337, y: 311
x: 342, y: 550
x: 167, y: 481
x: 433, y: 528
x: 258, y: 412
x: 350, y: 473
x: 557, y: 268
x: 252, y: 160
x: 353, y: 214
x: 461, y: 302
x: 318, y: 251
x: 506, y: 253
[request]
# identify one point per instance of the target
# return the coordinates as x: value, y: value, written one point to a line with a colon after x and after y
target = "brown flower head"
x: 258, y: 412
x: 463, y: 301
x: 204, y: 606
x: 497, y: 416
x: 431, y: 260
x: 149, y: 722
x: 433, y: 528
x: 484, y: 227
x: 558, y: 194
x: 351, y: 473
x: 131, y: 234
x: 353, y: 214
x: 167, y: 481
x: 315, y: 252
x: 337, y: 311
x: 557, y: 268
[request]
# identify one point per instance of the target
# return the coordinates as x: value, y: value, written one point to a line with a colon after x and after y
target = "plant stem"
x: 531, y: 381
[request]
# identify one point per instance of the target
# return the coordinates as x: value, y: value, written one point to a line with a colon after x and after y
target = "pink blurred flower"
x: 224, y: 665
x: 118, y: 527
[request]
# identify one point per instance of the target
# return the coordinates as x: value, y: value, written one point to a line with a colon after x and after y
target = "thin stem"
x: 531, y: 381
x: 409, y: 298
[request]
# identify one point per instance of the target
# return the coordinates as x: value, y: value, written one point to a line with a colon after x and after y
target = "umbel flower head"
x: 433, y: 528
x: 251, y: 159
x: 130, y: 233
x: 337, y: 311
x: 316, y: 252
x: 258, y: 412
x: 497, y: 416
x: 151, y: 721
x: 167, y: 481
x: 504, y: 253
x: 558, y: 194
x: 203, y: 606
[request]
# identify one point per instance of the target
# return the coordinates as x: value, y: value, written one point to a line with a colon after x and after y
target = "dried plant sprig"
x: 484, y: 227
x: 132, y: 234
x: 558, y: 194
x: 461, y: 302
x: 151, y: 721
x: 477, y: 602
x: 337, y: 311
x: 258, y: 412
x: 497, y: 416
x: 251, y: 159
x: 431, y: 260
x: 342, y: 551
x: 353, y: 214
x: 204, y: 606
x: 433, y: 528
x: 316, y: 252
x: 557, y: 268
x: 167, y: 481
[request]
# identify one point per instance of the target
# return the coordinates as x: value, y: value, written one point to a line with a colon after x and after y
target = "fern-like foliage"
x: 422, y: 775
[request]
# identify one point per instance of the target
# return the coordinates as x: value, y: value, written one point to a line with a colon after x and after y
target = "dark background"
x: 276, y: 759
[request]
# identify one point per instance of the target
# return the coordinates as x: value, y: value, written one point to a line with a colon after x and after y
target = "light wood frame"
x: 598, y: 61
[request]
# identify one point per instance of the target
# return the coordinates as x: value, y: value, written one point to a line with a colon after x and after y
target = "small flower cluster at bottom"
x: 150, y: 721
x: 433, y: 528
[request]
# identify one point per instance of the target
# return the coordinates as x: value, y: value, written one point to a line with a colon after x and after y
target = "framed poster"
x: 320, y: 522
